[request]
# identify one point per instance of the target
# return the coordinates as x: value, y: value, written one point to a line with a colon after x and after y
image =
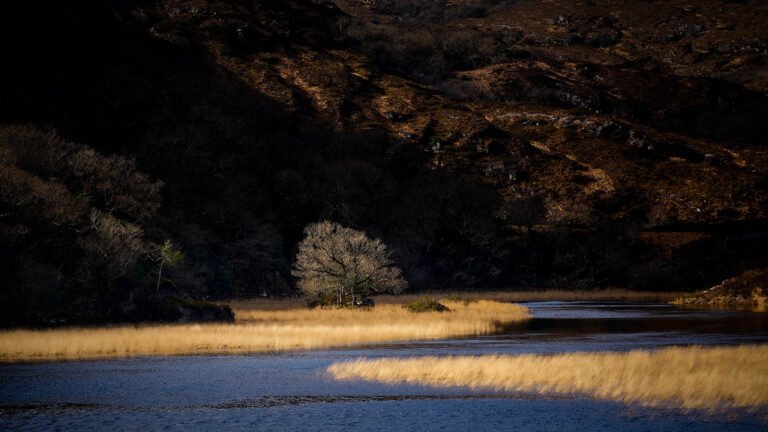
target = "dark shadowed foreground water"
x: 291, y: 391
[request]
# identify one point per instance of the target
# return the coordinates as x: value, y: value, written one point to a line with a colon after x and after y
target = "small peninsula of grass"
x: 687, y: 377
x: 262, y: 330
x: 521, y: 295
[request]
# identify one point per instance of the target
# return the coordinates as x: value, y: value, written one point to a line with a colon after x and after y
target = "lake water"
x: 291, y: 391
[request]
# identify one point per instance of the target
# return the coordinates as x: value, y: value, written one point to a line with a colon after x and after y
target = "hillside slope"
x: 489, y: 144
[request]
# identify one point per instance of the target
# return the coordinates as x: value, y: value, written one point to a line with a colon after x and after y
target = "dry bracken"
x: 689, y: 377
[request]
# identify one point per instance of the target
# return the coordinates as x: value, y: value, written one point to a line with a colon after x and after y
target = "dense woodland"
x: 227, y: 126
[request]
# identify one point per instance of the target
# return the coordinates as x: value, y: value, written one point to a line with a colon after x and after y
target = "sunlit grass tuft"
x: 261, y: 331
x: 689, y: 377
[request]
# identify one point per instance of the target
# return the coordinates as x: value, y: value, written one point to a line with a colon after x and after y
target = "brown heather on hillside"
x: 687, y: 377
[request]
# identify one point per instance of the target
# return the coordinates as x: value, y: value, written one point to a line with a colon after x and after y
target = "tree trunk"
x: 159, y: 275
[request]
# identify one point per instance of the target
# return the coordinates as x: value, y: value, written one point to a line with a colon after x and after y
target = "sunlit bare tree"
x: 343, y: 266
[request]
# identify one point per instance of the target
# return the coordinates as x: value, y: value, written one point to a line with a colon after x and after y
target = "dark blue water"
x: 292, y: 392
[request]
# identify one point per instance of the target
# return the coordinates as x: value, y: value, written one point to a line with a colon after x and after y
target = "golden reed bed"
x: 611, y: 294
x: 261, y: 331
x: 689, y: 377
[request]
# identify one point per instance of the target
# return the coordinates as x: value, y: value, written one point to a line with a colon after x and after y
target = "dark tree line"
x: 141, y: 141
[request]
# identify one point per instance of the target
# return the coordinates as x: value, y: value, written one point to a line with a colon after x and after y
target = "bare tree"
x: 169, y: 256
x: 343, y: 266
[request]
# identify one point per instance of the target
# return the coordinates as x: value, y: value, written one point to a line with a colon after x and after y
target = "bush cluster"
x: 425, y: 304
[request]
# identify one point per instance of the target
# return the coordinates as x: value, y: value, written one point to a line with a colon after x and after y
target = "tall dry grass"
x: 611, y: 294
x: 690, y: 377
x: 261, y: 331
x: 470, y: 316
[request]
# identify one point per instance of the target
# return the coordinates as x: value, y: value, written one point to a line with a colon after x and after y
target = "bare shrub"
x: 341, y: 266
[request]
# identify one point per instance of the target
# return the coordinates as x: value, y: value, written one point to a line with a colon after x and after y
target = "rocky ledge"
x: 746, y: 289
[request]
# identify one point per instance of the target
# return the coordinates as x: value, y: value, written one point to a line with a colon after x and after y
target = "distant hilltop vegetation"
x: 160, y: 149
